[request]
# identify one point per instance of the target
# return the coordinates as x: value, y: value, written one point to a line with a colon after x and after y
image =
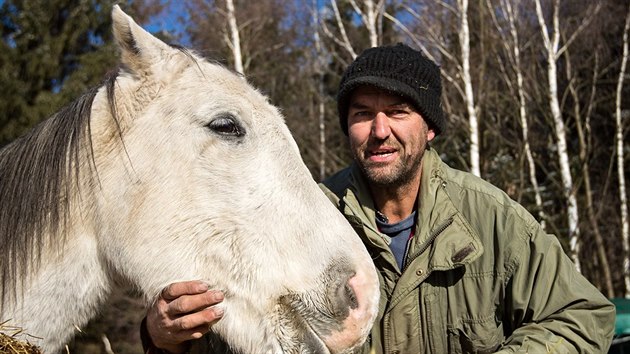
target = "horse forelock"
x: 39, y: 174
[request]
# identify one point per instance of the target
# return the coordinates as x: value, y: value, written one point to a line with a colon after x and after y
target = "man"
x: 462, y: 268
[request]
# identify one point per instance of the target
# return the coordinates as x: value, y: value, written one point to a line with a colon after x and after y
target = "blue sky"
x: 170, y: 21
x: 167, y: 21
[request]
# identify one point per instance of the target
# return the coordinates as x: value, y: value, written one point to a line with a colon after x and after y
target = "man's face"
x: 387, y: 136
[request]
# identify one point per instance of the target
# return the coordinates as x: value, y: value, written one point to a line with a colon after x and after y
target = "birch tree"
x: 344, y: 42
x: 372, y: 15
x: 620, y: 159
x: 473, y: 123
x: 235, y: 41
x: 553, y: 51
x: 321, y: 107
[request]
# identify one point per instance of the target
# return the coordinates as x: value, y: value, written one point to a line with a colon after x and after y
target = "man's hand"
x: 184, y: 311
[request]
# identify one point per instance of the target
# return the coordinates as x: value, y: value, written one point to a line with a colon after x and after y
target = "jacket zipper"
x: 433, y: 236
x: 424, y: 247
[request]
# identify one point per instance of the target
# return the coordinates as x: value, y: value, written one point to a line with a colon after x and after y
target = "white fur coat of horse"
x: 177, y: 169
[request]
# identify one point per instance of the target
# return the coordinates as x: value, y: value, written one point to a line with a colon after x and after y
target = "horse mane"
x: 37, y: 173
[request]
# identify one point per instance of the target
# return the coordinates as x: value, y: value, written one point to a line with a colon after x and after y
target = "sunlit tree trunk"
x: 344, y: 41
x: 319, y: 63
x: 551, y: 45
x: 373, y: 11
x: 620, y: 163
x: 464, y: 42
x: 525, y: 125
x: 235, y: 42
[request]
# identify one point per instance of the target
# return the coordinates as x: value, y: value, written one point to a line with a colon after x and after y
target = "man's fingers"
x: 192, y: 303
x: 176, y: 290
x: 183, y: 311
x: 195, y: 325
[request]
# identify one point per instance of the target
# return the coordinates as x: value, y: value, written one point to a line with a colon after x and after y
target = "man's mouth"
x: 381, y: 154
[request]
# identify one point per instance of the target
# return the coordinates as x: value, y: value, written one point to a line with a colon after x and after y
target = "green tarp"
x: 622, y: 322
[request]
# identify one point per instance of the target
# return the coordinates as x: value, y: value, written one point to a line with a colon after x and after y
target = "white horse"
x: 177, y: 169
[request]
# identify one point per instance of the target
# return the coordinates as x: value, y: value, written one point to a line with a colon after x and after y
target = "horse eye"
x: 226, y: 125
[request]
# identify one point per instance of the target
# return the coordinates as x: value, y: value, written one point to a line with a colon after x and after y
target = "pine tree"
x: 50, y: 53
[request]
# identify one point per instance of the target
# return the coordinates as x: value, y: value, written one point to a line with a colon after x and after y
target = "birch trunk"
x: 319, y: 62
x: 464, y: 41
x: 552, y: 53
x: 620, y: 161
x: 512, y: 15
x: 369, y: 18
x: 344, y: 42
x: 235, y: 37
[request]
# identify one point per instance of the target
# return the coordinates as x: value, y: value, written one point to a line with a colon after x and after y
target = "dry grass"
x: 10, y: 345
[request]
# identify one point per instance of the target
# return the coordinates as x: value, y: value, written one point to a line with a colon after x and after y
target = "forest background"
x: 534, y: 95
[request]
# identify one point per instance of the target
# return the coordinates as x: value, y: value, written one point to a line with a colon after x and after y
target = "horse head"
x: 188, y: 172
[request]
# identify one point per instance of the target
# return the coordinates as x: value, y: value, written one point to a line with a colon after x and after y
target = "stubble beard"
x: 398, y: 174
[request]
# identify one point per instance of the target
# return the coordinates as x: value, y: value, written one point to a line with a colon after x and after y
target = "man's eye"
x: 226, y: 125
x: 398, y: 113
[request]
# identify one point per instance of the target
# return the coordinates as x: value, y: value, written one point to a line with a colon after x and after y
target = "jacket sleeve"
x: 550, y: 306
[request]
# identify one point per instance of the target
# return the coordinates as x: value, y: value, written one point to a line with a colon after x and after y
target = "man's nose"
x: 380, y: 126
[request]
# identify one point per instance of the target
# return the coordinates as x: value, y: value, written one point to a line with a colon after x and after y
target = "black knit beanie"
x: 398, y: 69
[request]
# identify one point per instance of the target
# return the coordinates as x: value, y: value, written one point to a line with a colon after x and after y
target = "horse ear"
x: 139, y: 49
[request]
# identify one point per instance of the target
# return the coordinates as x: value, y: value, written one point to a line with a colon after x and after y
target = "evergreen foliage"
x: 52, y: 51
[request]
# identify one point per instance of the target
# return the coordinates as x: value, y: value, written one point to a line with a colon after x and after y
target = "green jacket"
x: 481, y: 275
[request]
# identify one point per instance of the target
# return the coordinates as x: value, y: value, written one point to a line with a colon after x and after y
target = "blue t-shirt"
x: 399, y: 233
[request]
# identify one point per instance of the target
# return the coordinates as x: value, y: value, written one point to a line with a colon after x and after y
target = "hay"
x: 10, y: 345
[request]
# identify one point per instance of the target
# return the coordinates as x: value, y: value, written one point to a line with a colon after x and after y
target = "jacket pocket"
x: 476, y: 338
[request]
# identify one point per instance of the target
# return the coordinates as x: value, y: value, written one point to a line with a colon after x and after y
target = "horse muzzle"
x: 336, y: 319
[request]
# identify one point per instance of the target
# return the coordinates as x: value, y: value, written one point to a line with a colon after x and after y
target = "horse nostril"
x: 355, y: 300
x: 343, y: 298
x: 350, y: 294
